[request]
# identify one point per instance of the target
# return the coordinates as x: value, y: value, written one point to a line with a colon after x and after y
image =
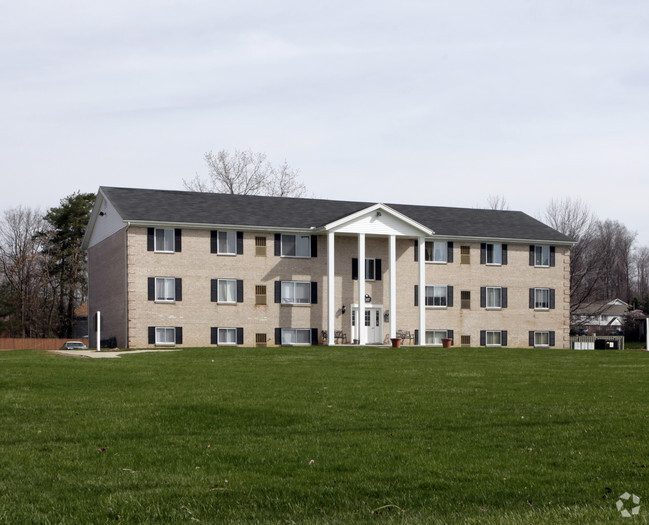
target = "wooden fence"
x: 14, y: 343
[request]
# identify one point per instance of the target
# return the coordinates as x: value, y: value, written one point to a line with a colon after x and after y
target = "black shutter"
x: 449, y: 296
x: 552, y: 338
x: 214, y: 241
x: 278, y: 244
x: 178, y: 241
x: 151, y: 335
x: 503, y: 297
x: 416, y: 337
x: 377, y: 269
x: 531, y: 341
x: 483, y: 253
x: 314, y: 292
x: 314, y: 336
x: 531, y: 297
x: 449, y: 255
x: 355, y: 269
x: 151, y: 288
x: 314, y: 245
x: 278, y: 336
x: 504, y: 252
x: 483, y: 337
x: 552, y: 299
x: 552, y: 256
x: 150, y: 239
x: 483, y: 297
x: 416, y: 250
x: 416, y: 295
x: 214, y: 290
x: 239, y: 243
x: 240, y: 336
x: 278, y: 291
x: 532, y: 254
x: 178, y: 282
x: 214, y: 335
x: 239, y: 290
x: 449, y: 334
x: 179, y: 335
x: 503, y: 338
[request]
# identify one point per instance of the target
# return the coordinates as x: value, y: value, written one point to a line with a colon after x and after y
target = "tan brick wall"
x: 107, y: 288
x: 197, y: 266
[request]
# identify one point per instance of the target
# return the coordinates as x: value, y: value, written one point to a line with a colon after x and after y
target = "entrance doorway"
x: 371, y: 325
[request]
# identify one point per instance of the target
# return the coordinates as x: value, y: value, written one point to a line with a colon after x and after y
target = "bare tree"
x: 497, y: 202
x: 572, y: 217
x: 246, y: 173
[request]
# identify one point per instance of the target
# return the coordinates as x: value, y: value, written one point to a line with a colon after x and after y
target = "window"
x: 436, y: 295
x: 465, y: 297
x: 541, y: 338
x: 227, y: 336
x: 434, y: 337
x: 164, y: 240
x: 165, y: 336
x: 260, y: 246
x: 260, y: 294
x: 372, y: 269
x: 296, y: 336
x: 493, y: 338
x: 296, y: 246
x: 227, y: 243
x: 494, y: 297
x: 541, y: 298
x: 465, y: 340
x: 494, y: 254
x: 465, y: 255
x: 541, y: 256
x: 227, y: 291
x: 165, y: 289
x: 436, y: 251
x: 295, y: 292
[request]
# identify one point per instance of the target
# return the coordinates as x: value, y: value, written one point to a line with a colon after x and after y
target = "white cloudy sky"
x: 406, y: 101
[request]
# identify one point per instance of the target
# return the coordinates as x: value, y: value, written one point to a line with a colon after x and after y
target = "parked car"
x: 617, y: 332
x: 75, y: 345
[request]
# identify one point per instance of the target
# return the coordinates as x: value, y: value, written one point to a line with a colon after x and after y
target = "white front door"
x: 371, y: 325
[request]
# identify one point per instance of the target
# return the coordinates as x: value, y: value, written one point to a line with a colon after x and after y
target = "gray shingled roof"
x: 179, y: 207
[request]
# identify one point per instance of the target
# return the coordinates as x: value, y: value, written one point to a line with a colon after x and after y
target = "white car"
x: 75, y: 345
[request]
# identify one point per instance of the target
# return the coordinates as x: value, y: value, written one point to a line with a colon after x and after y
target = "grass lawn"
x: 320, y: 435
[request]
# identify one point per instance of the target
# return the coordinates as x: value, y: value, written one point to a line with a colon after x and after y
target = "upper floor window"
x: 164, y: 240
x: 226, y: 243
x: 494, y: 297
x: 372, y: 269
x: 436, y: 251
x: 227, y: 291
x: 165, y: 289
x: 296, y: 246
x: 542, y: 256
x: 437, y: 295
x: 294, y: 292
x: 542, y: 298
x: 494, y: 253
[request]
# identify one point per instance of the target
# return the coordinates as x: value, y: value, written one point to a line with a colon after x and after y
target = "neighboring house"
x: 200, y: 269
x: 80, y: 326
x: 600, y: 316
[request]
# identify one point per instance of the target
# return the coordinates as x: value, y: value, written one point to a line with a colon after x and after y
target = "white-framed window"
x: 164, y: 240
x: 434, y: 337
x: 296, y: 292
x: 541, y: 256
x: 227, y: 336
x: 541, y: 298
x: 494, y: 297
x: 165, y: 335
x: 226, y: 243
x: 493, y: 338
x: 296, y: 245
x: 494, y: 253
x: 296, y: 336
x: 437, y: 295
x: 436, y: 251
x: 165, y: 289
x: 541, y: 338
x: 227, y: 291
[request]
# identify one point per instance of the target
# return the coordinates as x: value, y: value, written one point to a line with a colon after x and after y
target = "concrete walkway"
x: 108, y: 354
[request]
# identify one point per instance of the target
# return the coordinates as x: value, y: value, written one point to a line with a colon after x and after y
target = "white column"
x: 98, y: 316
x: 393, y: 286
x: 331, y: 291
x: 422, y: 290
x: 360, y: 322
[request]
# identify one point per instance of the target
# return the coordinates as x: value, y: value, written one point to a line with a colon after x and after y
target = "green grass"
x: 319, y: 435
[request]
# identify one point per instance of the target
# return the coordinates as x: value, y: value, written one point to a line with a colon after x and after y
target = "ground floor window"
x: 493, y: 337
x: 542, y: 338
x: 227, y: 336
x: 165, y: 335
x: 434, y: 337
x: 296, y: 336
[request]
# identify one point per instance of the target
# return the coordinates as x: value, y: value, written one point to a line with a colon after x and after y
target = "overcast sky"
x: 423, y: 102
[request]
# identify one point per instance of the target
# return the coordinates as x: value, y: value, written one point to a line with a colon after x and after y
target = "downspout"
x: 126, y: 327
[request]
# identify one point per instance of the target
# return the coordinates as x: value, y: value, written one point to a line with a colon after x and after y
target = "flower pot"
x: 446, y: 343
x: 396, y: 342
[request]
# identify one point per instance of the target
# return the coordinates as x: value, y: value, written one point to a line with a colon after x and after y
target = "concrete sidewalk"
x: 107, y: 353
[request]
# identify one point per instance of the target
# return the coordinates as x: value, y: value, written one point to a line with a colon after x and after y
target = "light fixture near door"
x: 368, y: 298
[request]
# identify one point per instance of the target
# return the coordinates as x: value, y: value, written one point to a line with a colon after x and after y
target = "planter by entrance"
x: 446, y: 343
x: 396, y: 342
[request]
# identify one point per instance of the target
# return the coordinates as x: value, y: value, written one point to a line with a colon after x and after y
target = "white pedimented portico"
x: 375, y: 221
